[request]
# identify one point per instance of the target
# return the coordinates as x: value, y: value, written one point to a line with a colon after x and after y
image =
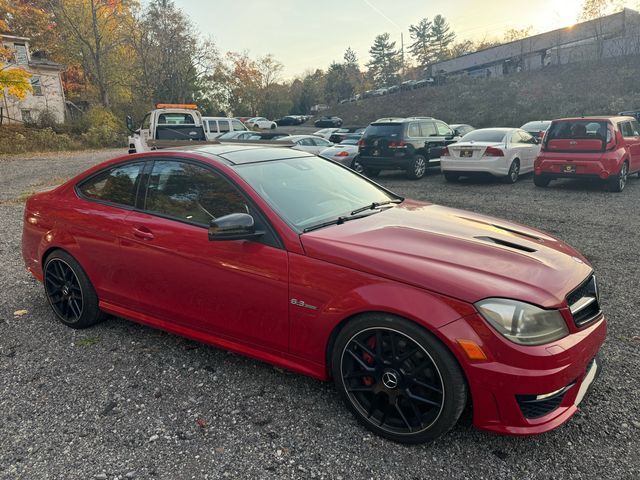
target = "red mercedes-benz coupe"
x: 414, y: 310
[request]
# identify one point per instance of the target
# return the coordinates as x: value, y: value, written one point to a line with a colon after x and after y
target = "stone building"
x: 46, y: 80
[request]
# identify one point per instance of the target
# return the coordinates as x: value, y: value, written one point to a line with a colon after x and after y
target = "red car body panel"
x: 284, y: 305
x: 587, y: 155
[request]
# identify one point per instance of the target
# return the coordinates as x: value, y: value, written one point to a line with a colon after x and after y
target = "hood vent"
x: 505, y: 243
x: 506, y: 229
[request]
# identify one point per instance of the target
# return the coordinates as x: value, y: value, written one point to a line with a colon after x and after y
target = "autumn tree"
x: 422, y: 47
x: 441, y: 38
x: 32, y: 19
x: 594, y: 10
x: 94, y: 34
x: 385, y: 61
x: 14, y: 80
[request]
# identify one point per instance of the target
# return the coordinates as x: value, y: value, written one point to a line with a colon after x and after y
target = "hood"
x: 454, y: 252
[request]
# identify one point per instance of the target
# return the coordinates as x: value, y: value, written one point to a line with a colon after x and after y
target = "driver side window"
x: 190, y: 193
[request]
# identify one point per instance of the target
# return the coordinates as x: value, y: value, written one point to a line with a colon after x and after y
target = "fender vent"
x: 505, y: 243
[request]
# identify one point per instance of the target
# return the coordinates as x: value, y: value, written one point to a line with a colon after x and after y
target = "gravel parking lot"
x: 122, y: 401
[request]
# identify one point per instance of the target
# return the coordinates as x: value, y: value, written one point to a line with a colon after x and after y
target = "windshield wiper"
x: 375, y: 205
x: 337, y: 221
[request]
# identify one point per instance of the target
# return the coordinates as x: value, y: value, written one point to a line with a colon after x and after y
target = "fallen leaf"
x: 201, y: 423
x: 19, y: 313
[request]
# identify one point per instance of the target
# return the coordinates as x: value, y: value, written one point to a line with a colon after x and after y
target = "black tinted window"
x: 626, y: 129
x: 116, y: 185
x: 584, y: 129
x: 190, y: 192
x: 389, y: 130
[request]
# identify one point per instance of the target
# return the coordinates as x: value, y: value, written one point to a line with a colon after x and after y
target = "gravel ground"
x: 124, y: 401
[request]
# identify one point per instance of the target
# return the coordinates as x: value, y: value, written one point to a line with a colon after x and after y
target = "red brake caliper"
x: 371, y: 343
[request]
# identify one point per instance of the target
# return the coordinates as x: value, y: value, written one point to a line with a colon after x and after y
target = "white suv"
x: 216, y: 126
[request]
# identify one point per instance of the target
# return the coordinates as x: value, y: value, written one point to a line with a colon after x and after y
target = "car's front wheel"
x: 397, y: 378
x: 70, y: 292
x: 418, y: 168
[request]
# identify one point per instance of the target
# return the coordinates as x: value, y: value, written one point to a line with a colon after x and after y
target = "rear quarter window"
x: 117, y: 185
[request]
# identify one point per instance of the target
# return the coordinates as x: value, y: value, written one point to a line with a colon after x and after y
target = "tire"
x: 451, y: 177
x: 617, y: 183
x: 411, y: 392
x: 514, y: 172
x: 541, y: 181
x: 371, y: 172
x: 418, y: 168
x: 356, y: 166
x: 273, y: 126
x: 70, y: 292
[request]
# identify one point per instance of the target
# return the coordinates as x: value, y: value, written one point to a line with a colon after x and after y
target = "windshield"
x: 308, y: 191
x: 535, y: 126
x: 488, y: 135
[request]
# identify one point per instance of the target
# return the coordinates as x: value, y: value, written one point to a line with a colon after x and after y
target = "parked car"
x: 252, y: 135
x: 407, y: 85
x: 409, y: 144
x: 260, y: 123
x: 461, y: 129
x: 309, y: 143
x: 413, y: 310
x: 216, y: 126
x: 632, y: 113
x: 501, y: 152
x: 393, y: 89
x: 289, y: 120
x: 367, y: 94
x: 324, y: 133
x: 346, y: 153
x: 328, y: 122
x: 425, y: 82
x: 380, y: 92
x: 605, y: 148
x: 536, y: 128
x: 341, y: 133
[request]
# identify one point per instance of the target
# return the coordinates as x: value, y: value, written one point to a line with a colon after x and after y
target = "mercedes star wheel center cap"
x: 390, y: 379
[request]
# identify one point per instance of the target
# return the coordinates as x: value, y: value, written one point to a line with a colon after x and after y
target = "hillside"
x: 593, y: 88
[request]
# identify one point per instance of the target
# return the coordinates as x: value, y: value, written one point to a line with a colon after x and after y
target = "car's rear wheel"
x: 541, y: 181
x: 618, y: 182
x: 371, y: 172
x: 451, y: 177
x: 418, y: 168
x: 397, y: 378
x: 273, y: 125
x: 69, y: 291
x: 357, y: 166
x: 514, y: 172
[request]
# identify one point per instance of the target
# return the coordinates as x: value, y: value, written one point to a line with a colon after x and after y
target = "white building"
x: 46, y: 80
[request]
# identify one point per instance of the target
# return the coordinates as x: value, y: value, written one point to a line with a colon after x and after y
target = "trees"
x: 422, y: 47
x: 93, y: 33
x: 14, y: 81
x: 514, y: 34
x: 442, y: 37
x: 385, y: 61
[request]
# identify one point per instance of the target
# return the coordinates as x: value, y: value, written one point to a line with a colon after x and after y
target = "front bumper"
x: 501, y: 386
x: 495, y: 166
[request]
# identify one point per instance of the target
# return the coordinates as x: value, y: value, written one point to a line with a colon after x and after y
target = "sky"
x: 305, y: 34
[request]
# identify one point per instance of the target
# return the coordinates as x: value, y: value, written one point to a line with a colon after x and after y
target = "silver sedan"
x: 345, y: 152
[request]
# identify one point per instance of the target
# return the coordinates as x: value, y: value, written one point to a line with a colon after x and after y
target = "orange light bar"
x: 190, y: 106
x: 472, y: 349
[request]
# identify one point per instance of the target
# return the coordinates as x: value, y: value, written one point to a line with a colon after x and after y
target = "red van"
x: 607, y: 148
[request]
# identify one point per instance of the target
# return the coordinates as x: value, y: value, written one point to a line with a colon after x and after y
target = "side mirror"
x: 451, y: 136
x: 235, y: 226
x: 130, y: 124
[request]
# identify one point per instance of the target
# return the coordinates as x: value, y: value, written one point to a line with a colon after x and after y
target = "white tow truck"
x: 169, y: 125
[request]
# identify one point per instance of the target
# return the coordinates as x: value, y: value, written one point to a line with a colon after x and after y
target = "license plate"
x: 466, y: 153
x: 568, y: 169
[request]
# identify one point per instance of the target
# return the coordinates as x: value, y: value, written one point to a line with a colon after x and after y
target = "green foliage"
x: 339, y: 84
x: 104, y: 129
x: 385, y: 61
x: 442, y: 37
x: 421, y: 48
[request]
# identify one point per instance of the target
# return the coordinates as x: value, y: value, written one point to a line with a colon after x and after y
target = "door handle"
x: 143, y: 233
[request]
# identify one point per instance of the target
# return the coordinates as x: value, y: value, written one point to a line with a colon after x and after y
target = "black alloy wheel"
x: 69, y: 291
x: 401, y: 382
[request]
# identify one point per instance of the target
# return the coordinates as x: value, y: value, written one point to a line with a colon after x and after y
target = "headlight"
x: 523, y: 323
